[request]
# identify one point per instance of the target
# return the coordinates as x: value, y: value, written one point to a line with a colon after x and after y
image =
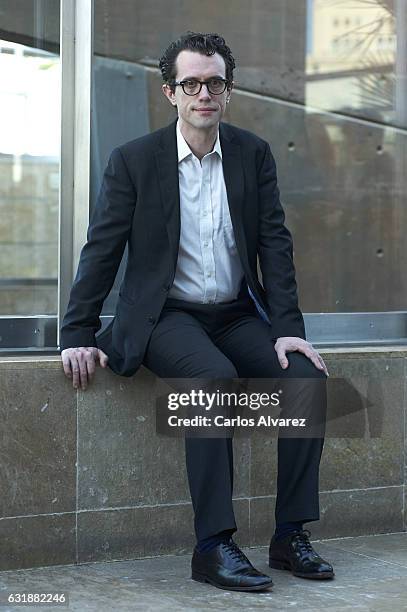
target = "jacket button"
x: 166, y: 287
x: 151, y: 319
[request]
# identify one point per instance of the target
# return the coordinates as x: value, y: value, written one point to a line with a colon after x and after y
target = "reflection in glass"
x: 29, y: 186
x: 351, y: 57
x: 323, y: 81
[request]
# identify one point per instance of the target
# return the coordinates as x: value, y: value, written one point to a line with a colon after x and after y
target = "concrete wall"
x: 85, y: 477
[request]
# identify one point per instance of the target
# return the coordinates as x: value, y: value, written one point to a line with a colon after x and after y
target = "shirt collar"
x: 184, y: 150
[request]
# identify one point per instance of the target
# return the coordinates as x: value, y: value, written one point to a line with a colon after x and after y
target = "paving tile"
x: 390, y: 547
x: 361, y: 583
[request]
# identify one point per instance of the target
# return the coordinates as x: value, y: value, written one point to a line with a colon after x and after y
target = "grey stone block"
x: 135, y: 532
x: 263, y: 465
x: 368, y: 452
x: 32, y: 541
x: 122, y: 461
x: 342, y: 513
x: 262, y: 522
x: 130, y: 533
x: 359, y: 512
x: 37, y: 443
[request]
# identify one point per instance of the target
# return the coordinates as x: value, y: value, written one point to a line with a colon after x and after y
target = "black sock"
x: 209, y: 543
x: 284, y: 529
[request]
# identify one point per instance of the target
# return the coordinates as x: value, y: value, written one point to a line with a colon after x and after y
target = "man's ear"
x: 229, y: 90
x: 168, y: 93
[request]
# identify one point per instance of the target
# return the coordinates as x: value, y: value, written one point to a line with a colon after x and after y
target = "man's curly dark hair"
x: 207, y: 44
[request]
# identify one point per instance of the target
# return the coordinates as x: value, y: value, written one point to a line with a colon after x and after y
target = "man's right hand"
x: 79, y: 364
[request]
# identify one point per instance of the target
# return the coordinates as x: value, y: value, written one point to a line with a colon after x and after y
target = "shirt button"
x: 151, y: 319
x: 209, y: 274
x: 205, y: 243
x: 205, y: 213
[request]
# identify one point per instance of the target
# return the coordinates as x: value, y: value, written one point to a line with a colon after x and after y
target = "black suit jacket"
x: 138, y: 203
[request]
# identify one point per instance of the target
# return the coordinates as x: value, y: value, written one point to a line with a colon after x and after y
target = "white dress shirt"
x: 208, y: 266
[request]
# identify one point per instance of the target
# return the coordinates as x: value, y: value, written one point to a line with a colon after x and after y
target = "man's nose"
x: 204, y: 93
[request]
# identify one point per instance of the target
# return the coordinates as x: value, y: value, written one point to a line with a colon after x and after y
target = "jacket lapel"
x: 167, y: 165
x: 234, y: 181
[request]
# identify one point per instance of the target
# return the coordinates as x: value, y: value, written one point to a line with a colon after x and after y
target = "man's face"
x: 203, y: 110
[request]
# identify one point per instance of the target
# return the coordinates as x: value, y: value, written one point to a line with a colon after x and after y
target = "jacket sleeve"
x: 275, y: 250
x: 107, y: 235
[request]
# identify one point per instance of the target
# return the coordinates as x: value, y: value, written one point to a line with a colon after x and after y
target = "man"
x: 198, y: 202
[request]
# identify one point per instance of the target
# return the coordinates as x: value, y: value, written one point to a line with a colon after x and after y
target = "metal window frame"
x: 76, y: 83
x: 36, y: 335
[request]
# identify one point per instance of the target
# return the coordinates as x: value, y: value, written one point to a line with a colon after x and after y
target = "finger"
x: 83, y: 372
x: 318, y: 361
x: 313, y: 356
x: 90, y: 364
x: 66, y: 363
x: 75, y: 370
x: 323, y: 364
x: 282, y: 358
x: 103, y: 358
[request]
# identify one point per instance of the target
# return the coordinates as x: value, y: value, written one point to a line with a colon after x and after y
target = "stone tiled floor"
x: 371, y: 575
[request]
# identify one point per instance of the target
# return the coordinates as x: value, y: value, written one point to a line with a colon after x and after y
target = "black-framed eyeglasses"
x: 191, y: 87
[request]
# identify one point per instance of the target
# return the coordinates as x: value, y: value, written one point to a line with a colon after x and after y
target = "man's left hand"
x: 289, y: 344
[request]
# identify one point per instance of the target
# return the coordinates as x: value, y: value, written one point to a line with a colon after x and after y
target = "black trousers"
x: 231, y: 340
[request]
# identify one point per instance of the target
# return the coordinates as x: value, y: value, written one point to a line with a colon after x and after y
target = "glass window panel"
x: 313, y: 79
x: 29, y: 157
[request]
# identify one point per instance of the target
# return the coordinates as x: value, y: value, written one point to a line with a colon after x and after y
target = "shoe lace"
x: 234, y: 550
x: 301, y: 540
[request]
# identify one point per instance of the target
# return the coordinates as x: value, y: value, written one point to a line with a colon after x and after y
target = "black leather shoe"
x: 295, y: 553
x: 227, y: 567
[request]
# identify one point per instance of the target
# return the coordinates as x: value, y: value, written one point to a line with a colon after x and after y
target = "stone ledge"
x: 54, y: 361
x: 86, y: 477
